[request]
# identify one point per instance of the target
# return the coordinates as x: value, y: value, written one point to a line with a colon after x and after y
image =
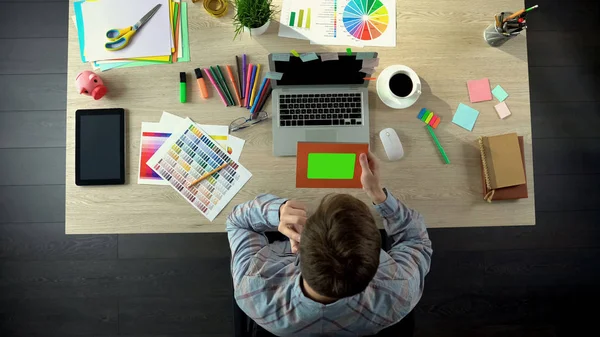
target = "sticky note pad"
x: 499, y: 93
x: 283, y: 57
x: 433, y: 119
x: 329, y: 57
x: 421, y: 113
x: 331, y: 165
x: 502, y: 110
x: 370, y: 63
x: 309, y: 57
x: 427, y: 113
x: 294, y: 52
x: 465, y: 117
x: 479, y: 90
x: 274, y: 75
x: 349, y: 51
x: 364, y: 55
x: 436, y: 123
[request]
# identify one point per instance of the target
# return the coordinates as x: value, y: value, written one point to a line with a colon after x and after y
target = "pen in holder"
x: 500, y: 31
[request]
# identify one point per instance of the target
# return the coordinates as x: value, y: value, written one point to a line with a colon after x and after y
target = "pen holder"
x: 497, y: 36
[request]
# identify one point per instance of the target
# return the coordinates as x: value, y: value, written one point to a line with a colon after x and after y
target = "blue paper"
x: 80, y: 33
x: 309, y: 57
x: 365, y: 55
x: 274, y: 75
x: 465, y: 117
x: 499, y: 93
x: 281, y: 57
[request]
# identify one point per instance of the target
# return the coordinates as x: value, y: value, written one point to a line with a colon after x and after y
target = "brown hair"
x: 340, y: 247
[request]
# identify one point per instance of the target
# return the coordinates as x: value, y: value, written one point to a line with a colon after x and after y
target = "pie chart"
x: 365, y: 19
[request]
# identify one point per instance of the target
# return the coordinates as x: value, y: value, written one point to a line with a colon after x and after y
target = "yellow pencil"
x: 253, y: 96
x: 206, y: 175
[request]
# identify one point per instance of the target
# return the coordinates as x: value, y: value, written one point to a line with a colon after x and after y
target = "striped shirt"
x: 266, y: 277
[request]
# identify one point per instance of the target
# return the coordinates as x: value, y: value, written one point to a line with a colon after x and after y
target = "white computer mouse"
x: 391, y: 144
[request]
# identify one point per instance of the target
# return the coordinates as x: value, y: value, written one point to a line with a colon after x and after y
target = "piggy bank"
x: 88, y: 83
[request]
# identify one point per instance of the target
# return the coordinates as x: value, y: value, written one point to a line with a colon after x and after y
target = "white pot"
x: 388, y: 97
x: 258, y: 31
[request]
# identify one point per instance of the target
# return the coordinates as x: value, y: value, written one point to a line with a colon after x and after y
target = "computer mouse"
x: 391, y: 144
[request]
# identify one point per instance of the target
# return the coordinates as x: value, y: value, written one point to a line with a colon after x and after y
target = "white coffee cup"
x: 398, y: 86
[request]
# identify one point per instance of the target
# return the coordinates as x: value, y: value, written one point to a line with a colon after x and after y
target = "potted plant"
x: 253, y: 16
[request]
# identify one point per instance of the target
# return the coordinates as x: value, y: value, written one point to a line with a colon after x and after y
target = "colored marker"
x: 212, y: 80
x: 243, y: 72
x: 251, y: 72
x: 235, y: 87
x: 201, y: 83
x: 264, y: 101
x: 182, y: 87
x: 437, y: 143
x: 254, y: 85
x: 225, y: 86
x: 213, y: 73
x: 260, y: 91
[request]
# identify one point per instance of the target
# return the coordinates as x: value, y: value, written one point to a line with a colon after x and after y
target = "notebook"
x: 502, y: 162
x: 508, y: 193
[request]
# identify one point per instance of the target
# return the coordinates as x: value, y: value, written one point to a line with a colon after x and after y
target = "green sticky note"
x: 331, y: 166
x: 349, y: 51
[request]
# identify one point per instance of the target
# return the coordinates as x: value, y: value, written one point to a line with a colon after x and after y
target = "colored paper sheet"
x: 309, y: 57
x: 153, y: 136
x: 329, y: 57
x: 322, y: 177
x: 80, y: 29
x: 502, y: 110
x: 274, y: 75
x: 189, y: 154
x: 465, y: 117
x: 185, y: 34
x: 100, y: 16
x: 479, y: 90
x: 283, y: 57
x: 364, y: 55
x: 499, y: 93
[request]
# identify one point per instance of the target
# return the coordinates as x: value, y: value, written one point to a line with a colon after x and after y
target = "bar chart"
x: 300, y: 18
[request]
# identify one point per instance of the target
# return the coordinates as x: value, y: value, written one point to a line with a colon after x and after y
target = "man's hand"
x: 370, y: 178
x: 292, y: 218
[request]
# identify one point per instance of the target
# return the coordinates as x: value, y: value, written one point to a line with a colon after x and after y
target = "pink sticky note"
x: 502, y: 110
x: 479, y: 90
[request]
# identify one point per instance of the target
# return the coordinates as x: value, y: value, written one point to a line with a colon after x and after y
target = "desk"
x: 441, y: 40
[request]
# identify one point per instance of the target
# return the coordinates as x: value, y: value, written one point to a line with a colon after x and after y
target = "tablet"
x: 329, y: 165
x: 100, y: 147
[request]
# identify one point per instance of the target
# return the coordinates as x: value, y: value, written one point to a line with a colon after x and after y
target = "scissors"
x: 120, y: 37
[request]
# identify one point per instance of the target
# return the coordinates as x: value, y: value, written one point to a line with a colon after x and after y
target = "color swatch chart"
x: 190, y: 153
x: 151, y: 142
x: 365, y: 19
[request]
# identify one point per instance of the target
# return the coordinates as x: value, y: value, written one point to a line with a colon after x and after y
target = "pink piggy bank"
x: 88, y: 83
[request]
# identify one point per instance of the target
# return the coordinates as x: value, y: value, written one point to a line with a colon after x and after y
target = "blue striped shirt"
x: 266, y: 277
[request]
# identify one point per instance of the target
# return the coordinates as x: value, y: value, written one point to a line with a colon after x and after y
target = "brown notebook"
x: 502, y: 162
x: 508, y: 193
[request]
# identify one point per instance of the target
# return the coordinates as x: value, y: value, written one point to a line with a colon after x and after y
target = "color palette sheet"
x: 365, y: 19
x: 190, y: 153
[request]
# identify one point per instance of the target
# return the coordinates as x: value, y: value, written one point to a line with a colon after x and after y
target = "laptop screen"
x: 344, y: 71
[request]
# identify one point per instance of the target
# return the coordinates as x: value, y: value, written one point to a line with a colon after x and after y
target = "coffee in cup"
x: 401, y: 84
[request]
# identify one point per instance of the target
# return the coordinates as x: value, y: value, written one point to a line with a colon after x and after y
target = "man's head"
x: 340, y: 247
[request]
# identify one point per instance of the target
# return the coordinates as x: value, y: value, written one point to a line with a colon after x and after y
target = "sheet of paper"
x: 465, y: 117
x: 235, y: 146
x: 499, y: 93
x: 340, y: 22
x: 189, y: 154
x: 151, y: 40
x: 153, y: 136
x: 479, y: 90
x: 502, y: 110
x: 185, y: 42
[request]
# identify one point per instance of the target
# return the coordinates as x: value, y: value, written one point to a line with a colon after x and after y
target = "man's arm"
x: 245, y: 227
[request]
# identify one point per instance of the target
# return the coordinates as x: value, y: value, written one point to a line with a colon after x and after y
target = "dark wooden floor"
x: 538, y: 281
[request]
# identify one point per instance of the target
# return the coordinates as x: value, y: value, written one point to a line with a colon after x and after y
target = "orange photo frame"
x: 305, y: 148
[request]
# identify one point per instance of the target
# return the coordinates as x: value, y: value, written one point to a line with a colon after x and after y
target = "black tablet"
x: 100, y: 147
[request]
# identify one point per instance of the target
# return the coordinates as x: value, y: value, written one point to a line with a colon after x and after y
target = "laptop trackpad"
x: 321, y: 136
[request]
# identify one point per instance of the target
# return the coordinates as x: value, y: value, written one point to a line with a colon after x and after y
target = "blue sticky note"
x: 421, y: 113
x: 309, y: 57
x: 499, y: 93
x: 465, y: 117
x: 365, y: 55
x: 281, y: 57
x: 274, y: 75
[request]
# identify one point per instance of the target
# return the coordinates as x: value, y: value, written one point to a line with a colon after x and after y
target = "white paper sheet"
x: 153, y: 39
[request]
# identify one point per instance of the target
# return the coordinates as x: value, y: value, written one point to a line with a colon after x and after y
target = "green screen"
x: 331, y: 165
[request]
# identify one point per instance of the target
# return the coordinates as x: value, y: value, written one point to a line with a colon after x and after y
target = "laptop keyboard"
x: 320, y: 109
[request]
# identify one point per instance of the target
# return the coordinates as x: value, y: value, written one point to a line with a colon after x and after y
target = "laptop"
x: 319, y: 101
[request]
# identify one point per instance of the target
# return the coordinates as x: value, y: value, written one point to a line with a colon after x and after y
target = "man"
x: 341, y: 283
